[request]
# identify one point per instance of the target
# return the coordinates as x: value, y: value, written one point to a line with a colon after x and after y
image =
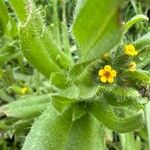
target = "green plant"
x: 75, y: 113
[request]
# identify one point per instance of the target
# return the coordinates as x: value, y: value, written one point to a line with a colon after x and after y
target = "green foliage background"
x: 63, y: 41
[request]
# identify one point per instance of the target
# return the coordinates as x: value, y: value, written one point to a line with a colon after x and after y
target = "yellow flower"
x: 107, y: 74
x: 132, y: 66
x: 130, y: 50
x: 24, y: 90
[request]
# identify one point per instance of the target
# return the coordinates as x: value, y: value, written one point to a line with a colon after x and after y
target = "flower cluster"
x: 107, y: 74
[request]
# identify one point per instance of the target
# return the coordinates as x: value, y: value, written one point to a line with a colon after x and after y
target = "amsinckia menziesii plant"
x: 101, y: 89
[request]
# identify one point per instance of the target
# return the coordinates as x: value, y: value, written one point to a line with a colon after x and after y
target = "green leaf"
x: 86, y: 134
x: 71, y: 92
x: 3, y: 17
x: 87, y: 92
x: 26, y: 108
x: 7, y: 53
x: 4, y: 96
x: 140, y: 76
x: 35, y: 52
x: 79, y: 110
x: 19, y: 7
x: 142, y: 41
x: 12, y: 28
x: 134, y: 20
x: 59, y: 80
x: 65, y: 38
x: 77, y: 69
x: 143, y: 133
x: 128, y: 141
x: 147, y: 2
x: 104, y: 114
x: 50, y: 131
x: 96, y: 27
x: 79, y: 93
x: 143, y: 57
x: 39, y: 48
x: 56, y: 21
x: 60, y: 102
x: 147, y: 111
x: 119, y: 96
x: 81, y: 73
x: 22, y: 126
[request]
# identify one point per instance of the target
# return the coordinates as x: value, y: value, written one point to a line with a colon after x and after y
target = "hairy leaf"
x: 3, y: 17
x: 140, y: 76
x: 134, y: 20
x: 142, y: 41
x: 19, y: 7
x: 79, y: 93
x: 79, y: 110
x: 86, y: 134
x: 50, y: 131
x: 60, y: 102
x: 59, y: 80
x: 128, y: 141
x: 147, y: 110
x: 26, y: 108
x: 143, y: 57
x: 119, y: 96
x: 38, y: 46
x: 96, y: 27
x: 104, y: 114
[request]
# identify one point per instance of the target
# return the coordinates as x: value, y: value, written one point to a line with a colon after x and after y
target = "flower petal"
x: 103, y: 79
x: 101, y: 72
x: 135, y: 52
x: 113, y: 73
x: 110, y: 79
x: 107, y: 68
x: 130, y: 47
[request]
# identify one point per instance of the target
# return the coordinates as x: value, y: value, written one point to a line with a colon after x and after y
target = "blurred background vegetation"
x: 19, y: 79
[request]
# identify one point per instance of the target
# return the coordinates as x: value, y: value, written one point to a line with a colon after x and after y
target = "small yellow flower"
x: 130, y: 50
x: 107, y: 74
x: 132, y: 66
x: 24, y: 90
